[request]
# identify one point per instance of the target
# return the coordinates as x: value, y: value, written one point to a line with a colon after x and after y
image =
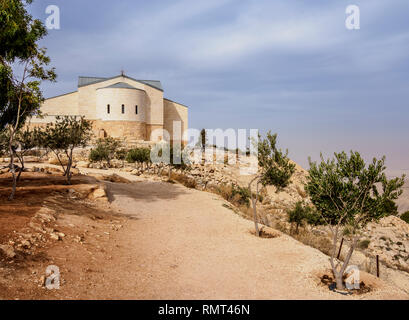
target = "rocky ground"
x: 151, y: 240
x: 388, y: 238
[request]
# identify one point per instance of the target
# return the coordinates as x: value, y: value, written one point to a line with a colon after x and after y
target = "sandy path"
x: 180, y: 243
x: 183, y: 244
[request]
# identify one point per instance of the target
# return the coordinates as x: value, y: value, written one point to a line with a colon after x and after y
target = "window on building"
x: 136, y: 109
x: 123, y: 108
x: 108, y: 109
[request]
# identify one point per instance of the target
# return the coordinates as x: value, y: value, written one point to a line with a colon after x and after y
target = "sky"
x: 291, y: 66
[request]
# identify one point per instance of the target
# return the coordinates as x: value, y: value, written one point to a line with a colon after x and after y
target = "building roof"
x: 85, y: 81
x: 121, y: 85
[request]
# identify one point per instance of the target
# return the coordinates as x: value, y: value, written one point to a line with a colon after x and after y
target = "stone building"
x: 120, y: 107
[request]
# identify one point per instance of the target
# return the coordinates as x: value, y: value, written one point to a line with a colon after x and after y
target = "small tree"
x: 120, y: 155
x: 274, y: 169
x: 21, y: 95
x: 346, y: 193
x: 63, y: 136
x: 300, y: 215
x: 106, y: 150
x: 26, y: 140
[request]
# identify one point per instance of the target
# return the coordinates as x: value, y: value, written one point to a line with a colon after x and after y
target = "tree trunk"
x: 170, y: 172
x: 68, y: 170
x: 254, y: 203
x: 22, y: 167
x: 12, y: 167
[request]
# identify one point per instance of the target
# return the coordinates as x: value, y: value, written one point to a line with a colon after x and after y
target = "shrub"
x: 364, y: 244
x: 235, y: 194
x: 139, y: 155
x: 405, y: 217
x: 301, y: 214
x: 186, y: 181
x: 121, y: 154
x: 105, y: 150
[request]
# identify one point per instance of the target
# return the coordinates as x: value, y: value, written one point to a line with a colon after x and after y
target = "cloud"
x: 289, y: 66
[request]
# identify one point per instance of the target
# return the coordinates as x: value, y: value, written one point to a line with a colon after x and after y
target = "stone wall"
x: 130, y: 130
x: 66, y: 104
x: 175, y: 112
x: 115, y: 98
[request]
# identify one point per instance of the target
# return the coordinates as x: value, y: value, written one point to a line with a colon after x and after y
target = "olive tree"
x: 348, y: 194
x: 26, y: 140
x: 275, y: 169
x: 63, y: 136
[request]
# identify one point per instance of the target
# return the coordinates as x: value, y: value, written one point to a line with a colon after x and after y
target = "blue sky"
x: 289, y: 66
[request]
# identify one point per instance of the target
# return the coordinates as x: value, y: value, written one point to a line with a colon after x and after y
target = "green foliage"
x: 21, y: 96
x: 276, y: 168
x: 344, y: 190
x: 106, y: 149
x: 120, y: 154
x: 302, y: 214
x: 139, y: 155
x: 19, y: 32
x: 346, y: 193
x: 390, y: 207
x: 63, y: 136
x: 235, y: 194
x: 241, y: 194
x: 405, y: 217
x: 3, y: 143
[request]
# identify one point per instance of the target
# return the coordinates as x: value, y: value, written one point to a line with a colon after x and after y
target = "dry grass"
x: 181, y: 178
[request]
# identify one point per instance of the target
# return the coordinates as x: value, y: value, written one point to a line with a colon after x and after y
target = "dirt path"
x: 180, y: 243
x: 183, y: 244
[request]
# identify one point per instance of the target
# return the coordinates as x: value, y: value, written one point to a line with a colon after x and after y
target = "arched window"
x: 136, y: 109
x: 108, y: 109
x: 123, y: 108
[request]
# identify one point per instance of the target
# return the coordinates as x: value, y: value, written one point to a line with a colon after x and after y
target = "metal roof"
x: 85, y: 81
x: 120, y: 85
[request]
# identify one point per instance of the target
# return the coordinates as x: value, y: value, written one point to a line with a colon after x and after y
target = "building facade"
x: 120, y: 107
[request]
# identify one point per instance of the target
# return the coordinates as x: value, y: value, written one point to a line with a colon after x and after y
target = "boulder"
x: 98, y: 194
x: 8, y: 251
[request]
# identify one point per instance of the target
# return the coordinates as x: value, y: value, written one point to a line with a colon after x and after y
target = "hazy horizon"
x: 291, y: 67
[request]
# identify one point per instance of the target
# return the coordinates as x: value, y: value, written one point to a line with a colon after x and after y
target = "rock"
x: 36, y: 227
x: 26, y: 244
x: 31, y: 159
x: 98, y: 194
x: 8, y: 251
x: 75, y: 171
x: 54, y: 236
x: 83, y: 164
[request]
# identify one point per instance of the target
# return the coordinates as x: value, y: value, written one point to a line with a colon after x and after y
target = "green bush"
x: 302, y: 214
x: 139, y: 155
x: 105, y: 150
x: 235, y: 194
x: 405, y: 217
